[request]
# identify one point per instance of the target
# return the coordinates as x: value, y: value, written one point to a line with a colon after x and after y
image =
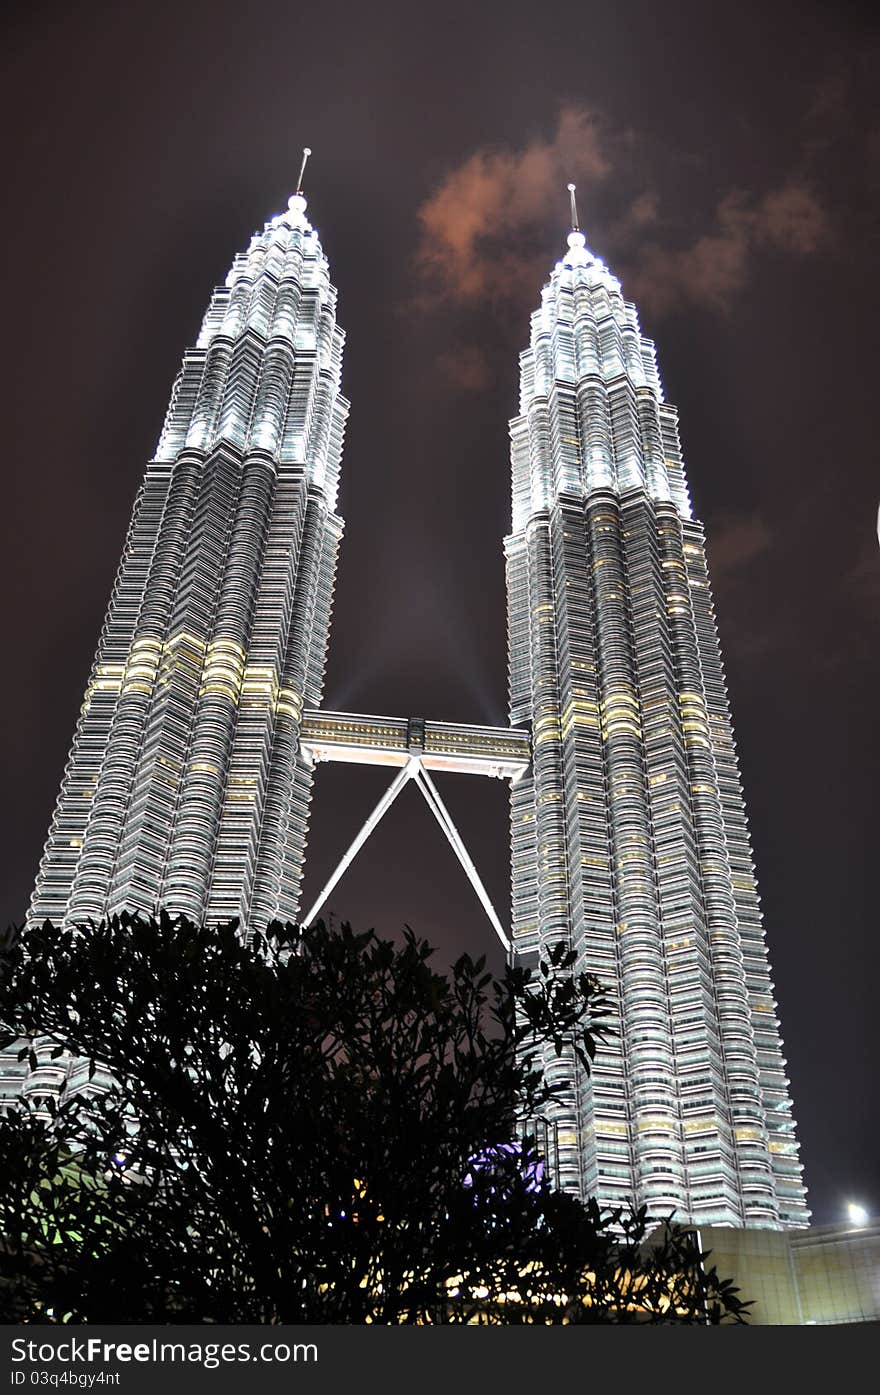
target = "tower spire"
x: 577, y: 254
x: 302, y: 169
x: 575, y: 225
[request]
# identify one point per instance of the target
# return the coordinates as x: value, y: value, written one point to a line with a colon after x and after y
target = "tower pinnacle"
x: 297, y: 202
x: 302, y: 169
x: 577, y: 254
x: 575, y: 225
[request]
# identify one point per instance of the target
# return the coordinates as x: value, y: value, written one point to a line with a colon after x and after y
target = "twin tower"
x: 190, y: 777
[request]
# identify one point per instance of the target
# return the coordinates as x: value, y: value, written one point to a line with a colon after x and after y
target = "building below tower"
x: 818, y: 1277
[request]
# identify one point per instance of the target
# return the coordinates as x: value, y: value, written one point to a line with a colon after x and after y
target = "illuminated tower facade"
x: 186, y: 788
x: 189, y: 780
x: 629, y: 833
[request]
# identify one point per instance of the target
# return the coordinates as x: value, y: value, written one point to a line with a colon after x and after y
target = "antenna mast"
x: 575, y: 225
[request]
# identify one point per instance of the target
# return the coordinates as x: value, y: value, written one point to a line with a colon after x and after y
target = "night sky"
x: 728, y: 167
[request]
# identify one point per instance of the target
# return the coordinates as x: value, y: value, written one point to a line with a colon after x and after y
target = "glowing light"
x: 858, y: 1215
x: 493, y: 1159
x: 297, y: 206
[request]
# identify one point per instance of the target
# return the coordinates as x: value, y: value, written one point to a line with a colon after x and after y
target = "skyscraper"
x: 190, y: 776
x: 186, y: 787
x: 629, y: 834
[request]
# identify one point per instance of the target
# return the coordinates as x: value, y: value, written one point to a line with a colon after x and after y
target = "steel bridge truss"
x: 416, y: 747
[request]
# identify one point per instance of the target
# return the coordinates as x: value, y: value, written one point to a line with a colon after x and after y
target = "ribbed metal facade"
x: 629, y: 835
x: 185, y: 788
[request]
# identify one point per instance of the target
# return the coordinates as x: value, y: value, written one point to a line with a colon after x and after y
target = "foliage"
x: 284, y: 1129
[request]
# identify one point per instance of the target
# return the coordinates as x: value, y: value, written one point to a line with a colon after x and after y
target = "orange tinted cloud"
x: 792, y: 218
x: 484, y: 229
x: 716, y: 265
x: 503, y: 193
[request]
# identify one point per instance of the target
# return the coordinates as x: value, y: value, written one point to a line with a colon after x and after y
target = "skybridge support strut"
x: 414, y: 770
x: 444, y: 818
x: 406, y: 773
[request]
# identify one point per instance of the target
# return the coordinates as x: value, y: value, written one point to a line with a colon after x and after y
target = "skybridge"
x: 463, y: 750
x: 416, y: 747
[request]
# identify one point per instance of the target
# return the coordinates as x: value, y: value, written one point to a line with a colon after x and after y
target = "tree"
x: 304, y: 1126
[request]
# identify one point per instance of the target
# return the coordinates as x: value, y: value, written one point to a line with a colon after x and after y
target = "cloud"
x: 739, y: 547
x: 471, y: 226
x: 792, y: 218
x: 829, y: 618
x: 464, y: 369
x: 735, y: 540
x: 484, y: 229
x: 642, y: 213
x: 716, y: 265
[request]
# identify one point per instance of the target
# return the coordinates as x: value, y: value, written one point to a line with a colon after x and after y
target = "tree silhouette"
x: 303, y: 1126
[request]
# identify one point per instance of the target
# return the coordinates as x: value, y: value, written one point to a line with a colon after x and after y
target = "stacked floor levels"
x: 629, y: 835
x: 185, y: 787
